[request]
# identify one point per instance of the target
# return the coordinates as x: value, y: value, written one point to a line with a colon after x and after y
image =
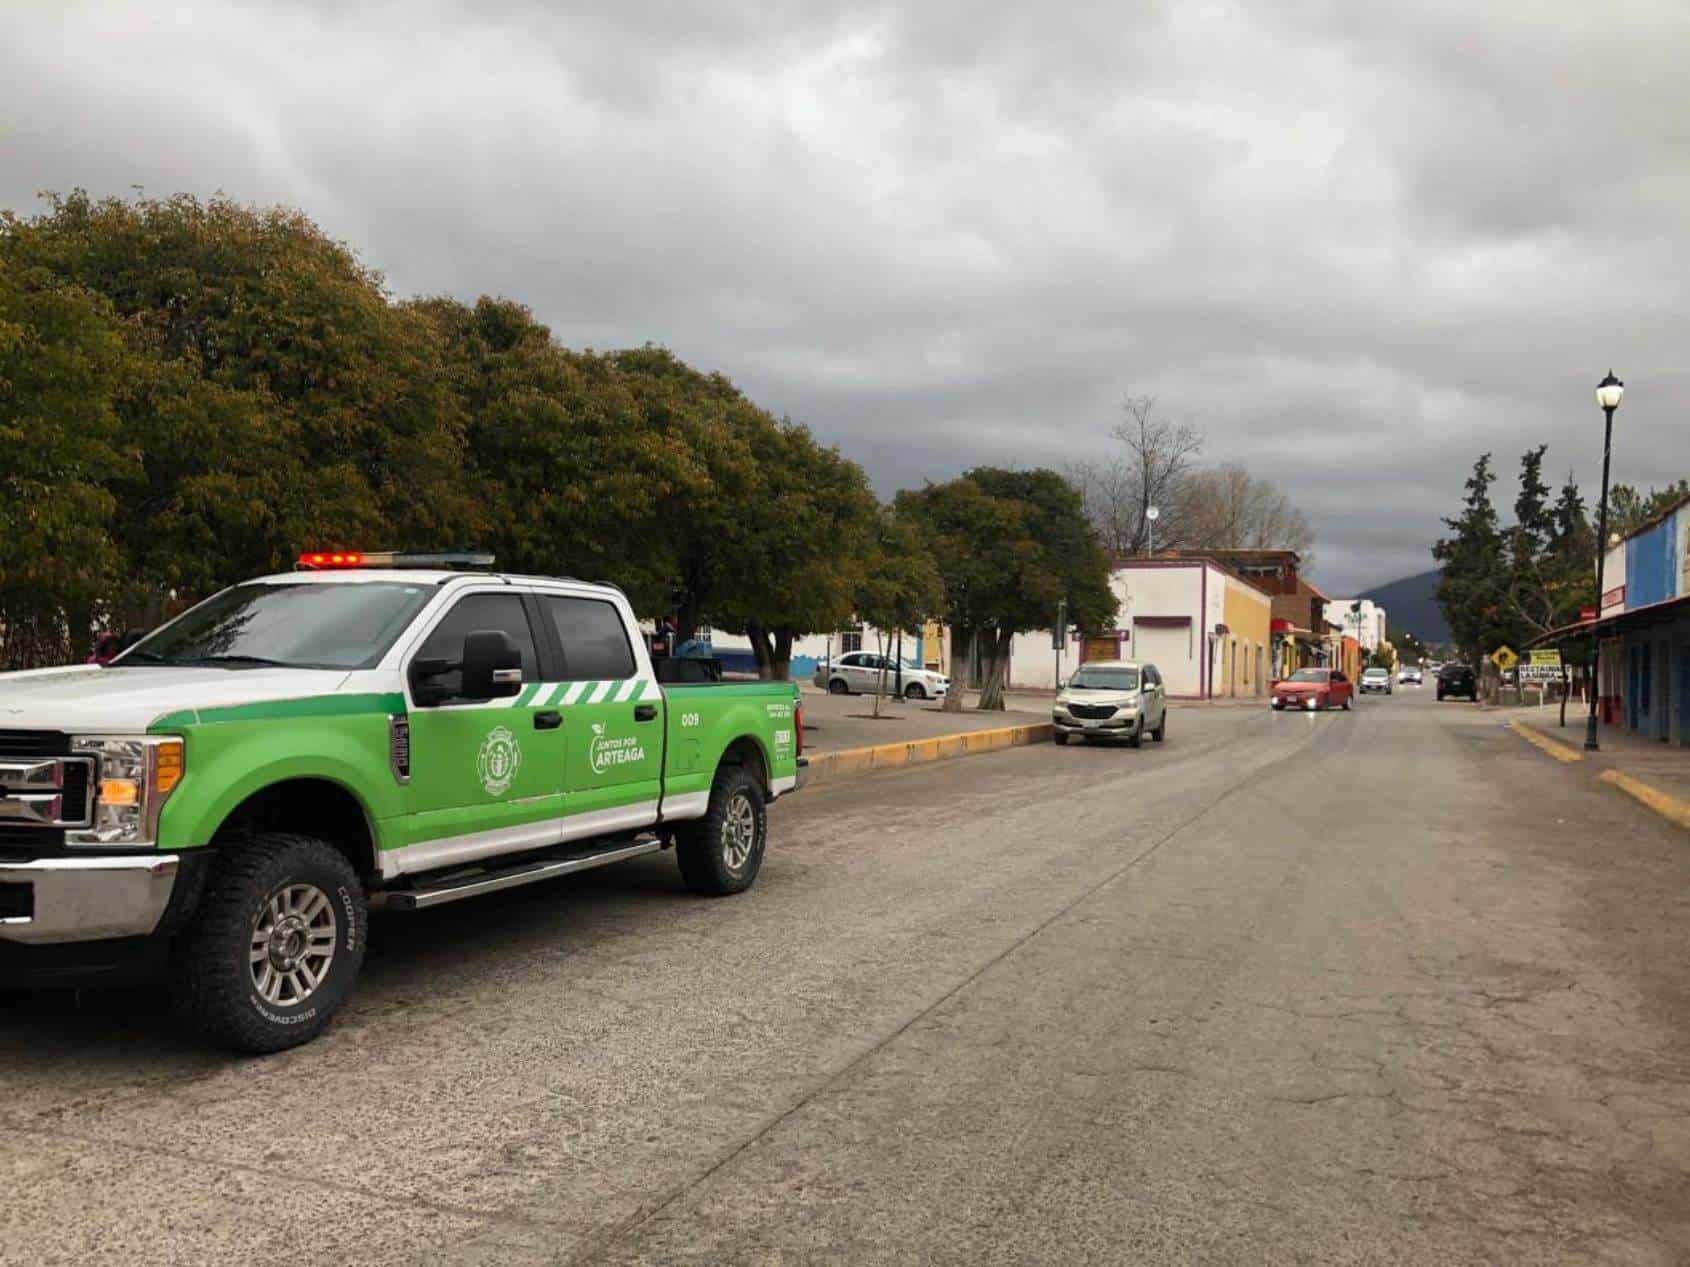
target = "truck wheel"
x: 275, y: 945
x: 838, y: 687
x: 723, y: 851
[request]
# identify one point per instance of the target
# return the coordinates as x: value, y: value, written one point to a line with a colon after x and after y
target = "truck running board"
x: 509, y: 877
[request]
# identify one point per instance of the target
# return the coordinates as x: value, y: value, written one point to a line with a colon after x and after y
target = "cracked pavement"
x: 1378, y: 987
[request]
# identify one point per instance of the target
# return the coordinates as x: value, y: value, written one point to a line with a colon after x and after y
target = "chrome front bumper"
x: 86, y: 899
x: 1080, y: 725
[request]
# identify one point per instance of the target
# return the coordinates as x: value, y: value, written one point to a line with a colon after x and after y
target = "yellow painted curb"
x: 891, y: 756
x: 1554, y: 747
x: 1667, y: 806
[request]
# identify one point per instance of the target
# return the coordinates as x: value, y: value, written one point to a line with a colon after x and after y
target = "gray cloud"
x: 1356, y: 245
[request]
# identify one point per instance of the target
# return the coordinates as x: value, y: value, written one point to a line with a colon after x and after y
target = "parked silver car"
x: 1111, y: 699
x: 860, y: 673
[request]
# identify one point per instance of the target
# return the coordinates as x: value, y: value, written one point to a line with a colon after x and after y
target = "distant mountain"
x: 1411, y: 604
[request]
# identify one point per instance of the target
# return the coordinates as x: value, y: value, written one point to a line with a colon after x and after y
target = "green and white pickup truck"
x: 225, y: 801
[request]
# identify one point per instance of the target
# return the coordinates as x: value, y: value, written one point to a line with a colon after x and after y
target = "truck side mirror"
x: 492, y: 665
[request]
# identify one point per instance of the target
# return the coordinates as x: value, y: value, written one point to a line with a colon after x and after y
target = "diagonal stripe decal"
x: 574, y: 692
x: 628, y: 689
x: 651, y: 692
x: 600, y: 691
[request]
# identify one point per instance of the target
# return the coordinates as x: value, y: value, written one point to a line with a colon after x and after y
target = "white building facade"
x: 1371, y: 631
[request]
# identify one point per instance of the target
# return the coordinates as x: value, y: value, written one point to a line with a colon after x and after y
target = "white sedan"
x: 864, y: 673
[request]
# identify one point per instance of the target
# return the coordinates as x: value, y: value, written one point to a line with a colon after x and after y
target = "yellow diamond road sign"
x: 1504, y: 658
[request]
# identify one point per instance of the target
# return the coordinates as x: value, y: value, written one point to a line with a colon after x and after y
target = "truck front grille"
x: 1091, y: 712
x: 43, y: 788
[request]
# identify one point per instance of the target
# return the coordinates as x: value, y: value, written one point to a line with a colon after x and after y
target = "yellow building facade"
x: 1244, y: 656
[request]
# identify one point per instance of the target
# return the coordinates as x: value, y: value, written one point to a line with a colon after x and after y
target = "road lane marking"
x: 1666, y: 805
x: 1554, y: 747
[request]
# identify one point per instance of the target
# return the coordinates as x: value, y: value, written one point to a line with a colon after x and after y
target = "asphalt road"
x: 1386, y: 986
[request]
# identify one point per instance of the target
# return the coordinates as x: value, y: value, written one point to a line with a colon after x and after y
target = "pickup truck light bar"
x: 455, y: 560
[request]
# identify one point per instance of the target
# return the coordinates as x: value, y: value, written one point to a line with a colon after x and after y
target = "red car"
x: 1311, y: 689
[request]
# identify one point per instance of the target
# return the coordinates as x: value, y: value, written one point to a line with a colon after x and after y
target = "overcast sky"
x: 1355, y: 244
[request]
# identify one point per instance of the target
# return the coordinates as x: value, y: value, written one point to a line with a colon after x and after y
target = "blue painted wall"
x: 1651, y: 565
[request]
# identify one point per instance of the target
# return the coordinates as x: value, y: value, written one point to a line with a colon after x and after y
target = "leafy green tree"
x: 1629, y: 510
x: 64, y: 368
x: 284, y: 400
x: 899, y: 587
x: 1473, y: 587
x: 771, y: 542
x: 1011, y: 546
x: 248, y: 389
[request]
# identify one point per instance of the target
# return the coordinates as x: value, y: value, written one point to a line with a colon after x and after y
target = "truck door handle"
x: 645, y: 712
x: 548, y: 720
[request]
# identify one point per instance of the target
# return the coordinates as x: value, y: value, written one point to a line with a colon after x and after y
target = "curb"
x: 1554, y: 747
x: 892, y: 756
x: 1667, y: 806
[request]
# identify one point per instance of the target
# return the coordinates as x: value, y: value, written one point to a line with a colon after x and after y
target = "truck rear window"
x: 595, y: 641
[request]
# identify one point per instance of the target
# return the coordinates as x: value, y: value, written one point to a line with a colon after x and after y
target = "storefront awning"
x: 1619, y: 621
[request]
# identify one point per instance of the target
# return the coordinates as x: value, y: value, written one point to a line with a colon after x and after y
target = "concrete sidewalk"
x: 836, y: 722
x: 1649, y: 771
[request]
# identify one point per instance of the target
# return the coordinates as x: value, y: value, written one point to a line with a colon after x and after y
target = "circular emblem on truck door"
x: 499, y: 760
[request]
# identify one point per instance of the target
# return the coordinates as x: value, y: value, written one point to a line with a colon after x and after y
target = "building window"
x: 850, y: 640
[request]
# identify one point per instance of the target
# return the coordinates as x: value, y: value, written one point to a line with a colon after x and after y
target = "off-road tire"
x: 705, y: 847
x: 211, y: 976
x: 1059, y: 739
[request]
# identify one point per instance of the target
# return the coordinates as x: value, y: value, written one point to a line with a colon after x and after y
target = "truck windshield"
x: 1105, y: 680
x: 323, y: 625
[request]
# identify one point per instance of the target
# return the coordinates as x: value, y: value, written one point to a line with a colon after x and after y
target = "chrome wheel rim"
x: 293, y: 944
x: 739, y: 832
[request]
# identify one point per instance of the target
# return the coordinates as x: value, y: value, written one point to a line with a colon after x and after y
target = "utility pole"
x: 1058, y: 636
x: 1608, y: 393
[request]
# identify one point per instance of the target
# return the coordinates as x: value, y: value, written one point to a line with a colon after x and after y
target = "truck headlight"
x: 133, y: 776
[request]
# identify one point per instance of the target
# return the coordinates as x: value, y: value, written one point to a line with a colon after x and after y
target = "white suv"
x: 1375, y: 680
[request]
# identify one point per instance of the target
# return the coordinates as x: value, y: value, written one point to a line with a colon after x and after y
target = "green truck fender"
x: 228, y: 760
x: 756, y: 719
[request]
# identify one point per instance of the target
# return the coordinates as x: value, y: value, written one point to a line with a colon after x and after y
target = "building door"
x: 1173, y: 650
x: 1259, y: 683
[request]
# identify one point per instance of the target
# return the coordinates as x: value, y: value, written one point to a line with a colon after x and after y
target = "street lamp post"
x: 1608, y: 393
x: 1151, y: 515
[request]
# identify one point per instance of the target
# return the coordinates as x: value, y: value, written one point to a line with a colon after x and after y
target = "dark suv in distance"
x: 1458, y: 679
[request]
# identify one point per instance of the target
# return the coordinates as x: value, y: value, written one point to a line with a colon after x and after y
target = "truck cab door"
x: 486, y: 776
x: 613, y: 713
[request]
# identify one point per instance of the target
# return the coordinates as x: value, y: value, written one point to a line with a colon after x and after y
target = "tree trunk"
x: 880, y: 675
x: 997, y: 668
x: 953, y: 696
x: 761, y: 649
x: 780, y: 663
